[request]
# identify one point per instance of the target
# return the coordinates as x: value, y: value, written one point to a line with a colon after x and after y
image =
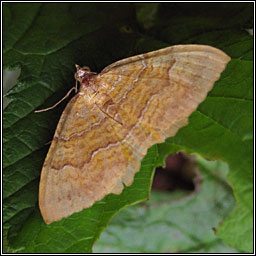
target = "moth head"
x: 83, y: 73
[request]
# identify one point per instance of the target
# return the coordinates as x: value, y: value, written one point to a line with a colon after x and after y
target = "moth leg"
x: 48, y: 143
x: 112, y: 117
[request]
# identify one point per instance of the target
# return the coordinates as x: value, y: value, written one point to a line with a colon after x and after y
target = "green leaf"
x: 78, y: 232
x: 176, y: 222
x: 45, y: 40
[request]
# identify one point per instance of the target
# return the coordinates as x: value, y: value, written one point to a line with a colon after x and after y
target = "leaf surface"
x: 174, y: 222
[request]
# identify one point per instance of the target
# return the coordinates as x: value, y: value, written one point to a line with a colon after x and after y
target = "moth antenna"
x: 46, y: 109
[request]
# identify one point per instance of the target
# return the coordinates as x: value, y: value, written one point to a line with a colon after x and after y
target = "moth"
x: 107, y: 127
